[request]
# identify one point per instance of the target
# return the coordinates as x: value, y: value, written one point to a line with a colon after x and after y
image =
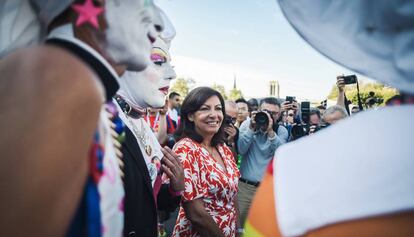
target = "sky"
x: 251, y: 40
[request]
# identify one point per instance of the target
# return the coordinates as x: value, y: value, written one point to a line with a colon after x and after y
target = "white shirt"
x: 360, y: 167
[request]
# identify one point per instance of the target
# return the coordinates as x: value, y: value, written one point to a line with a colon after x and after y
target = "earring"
x: 87, y: 13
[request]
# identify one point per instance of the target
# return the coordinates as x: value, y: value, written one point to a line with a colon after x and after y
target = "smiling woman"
x: 211, y: 176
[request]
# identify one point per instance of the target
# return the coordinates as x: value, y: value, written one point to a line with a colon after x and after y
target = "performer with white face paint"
x: 60, y: 150
x: 362, y: 184
x: 145, y: 193
x: 156, y: 81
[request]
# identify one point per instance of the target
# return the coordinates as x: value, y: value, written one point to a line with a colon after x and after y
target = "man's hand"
x: 171, y: 165
x: 231, y: 132
x: 285, y: 106
x: 340, y: 83
x: 269, y: 129
x: 164, y: 109
x: 312, y: 129
x: 253, y: 121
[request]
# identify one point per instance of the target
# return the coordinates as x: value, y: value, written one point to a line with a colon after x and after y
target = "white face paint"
x: 150, y: 87
x: 131, y: 30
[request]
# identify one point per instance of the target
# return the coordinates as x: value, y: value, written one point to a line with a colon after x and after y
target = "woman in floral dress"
x: 209, y: 206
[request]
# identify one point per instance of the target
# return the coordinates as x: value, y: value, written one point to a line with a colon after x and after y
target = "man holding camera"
x: 259, y: 137
x: 231, y: 131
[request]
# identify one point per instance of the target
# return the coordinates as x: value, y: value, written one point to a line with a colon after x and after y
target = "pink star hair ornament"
x: 88, y: 13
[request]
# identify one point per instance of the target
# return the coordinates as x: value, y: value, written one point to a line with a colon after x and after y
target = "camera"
x: 228, y: 121
x: 261, y: 119
x: 350, y: 79
x: 300, y: 130
x: 170, y: 141
x: 305, y: 111
x: 372, y: 99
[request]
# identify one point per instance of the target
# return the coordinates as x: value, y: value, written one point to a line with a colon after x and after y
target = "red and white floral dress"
x: 205, y: 178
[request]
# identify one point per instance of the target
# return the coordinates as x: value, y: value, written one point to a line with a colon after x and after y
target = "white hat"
x: 24, y: 22
x: 370, y: 37
x: 168, y: 33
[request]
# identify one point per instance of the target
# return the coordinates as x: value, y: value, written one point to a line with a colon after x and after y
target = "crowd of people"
x: 94, y: 144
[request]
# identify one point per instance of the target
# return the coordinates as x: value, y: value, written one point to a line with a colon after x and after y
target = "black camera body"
x: 228, y: 121
x: 372, y: 99
x: 305, y: 111
x: 300, y: 130
x: 350, y: 79
x: 261, y: 119
x: 171, y: 141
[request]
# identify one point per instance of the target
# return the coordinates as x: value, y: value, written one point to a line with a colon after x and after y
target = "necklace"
x: 140, y: 134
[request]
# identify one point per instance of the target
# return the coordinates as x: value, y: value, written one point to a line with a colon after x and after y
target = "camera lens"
x: 261, y: 119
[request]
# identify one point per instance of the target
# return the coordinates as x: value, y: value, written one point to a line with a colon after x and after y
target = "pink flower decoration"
x: 88, y: 13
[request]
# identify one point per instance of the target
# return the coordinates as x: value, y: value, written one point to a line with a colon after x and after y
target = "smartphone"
x: 350, y: 79
x: 290, y: 99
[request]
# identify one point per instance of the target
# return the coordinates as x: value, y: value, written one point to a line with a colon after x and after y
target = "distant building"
x: 274, y: 89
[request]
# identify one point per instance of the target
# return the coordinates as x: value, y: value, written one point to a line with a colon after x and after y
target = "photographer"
x: 307, y: 123
x: 258, y: 140
x: 314, y: 120
x: 253, y: 105
x: 231, y: 131
x: 333, y: 114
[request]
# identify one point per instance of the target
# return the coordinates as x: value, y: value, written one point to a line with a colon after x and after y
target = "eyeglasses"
x: 291, y: 115
x: 273, y: 113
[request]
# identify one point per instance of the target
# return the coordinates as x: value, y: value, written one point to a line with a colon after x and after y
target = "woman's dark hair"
x: 192, y: 102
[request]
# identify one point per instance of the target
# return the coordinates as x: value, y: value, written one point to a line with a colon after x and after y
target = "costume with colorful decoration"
x: 72, y: 131
x: 145, y: 191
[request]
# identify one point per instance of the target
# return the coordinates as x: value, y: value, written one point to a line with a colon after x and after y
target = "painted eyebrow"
x: 160, y: 49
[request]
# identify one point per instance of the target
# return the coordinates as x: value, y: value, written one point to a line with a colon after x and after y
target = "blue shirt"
x: 257, y: 150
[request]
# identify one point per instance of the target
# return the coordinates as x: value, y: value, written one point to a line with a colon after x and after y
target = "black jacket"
x: 140, y: 208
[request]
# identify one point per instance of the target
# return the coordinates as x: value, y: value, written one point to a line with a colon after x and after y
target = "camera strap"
x: 346, y: 103
x: 275, y: 127
x: 359, y: 97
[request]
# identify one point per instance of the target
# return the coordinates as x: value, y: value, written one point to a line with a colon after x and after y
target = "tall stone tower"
x: 274, y: 89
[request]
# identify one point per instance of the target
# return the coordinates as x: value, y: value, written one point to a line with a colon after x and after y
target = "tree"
x: 380, y: 91
x: 220, y: 89
x: 182, y: 86
x: 235, y: 94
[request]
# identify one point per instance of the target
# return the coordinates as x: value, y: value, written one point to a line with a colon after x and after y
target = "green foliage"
x: 220, y: 89
x: 235, y: 94
x: 182, y: 86
x: 380, y: 91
